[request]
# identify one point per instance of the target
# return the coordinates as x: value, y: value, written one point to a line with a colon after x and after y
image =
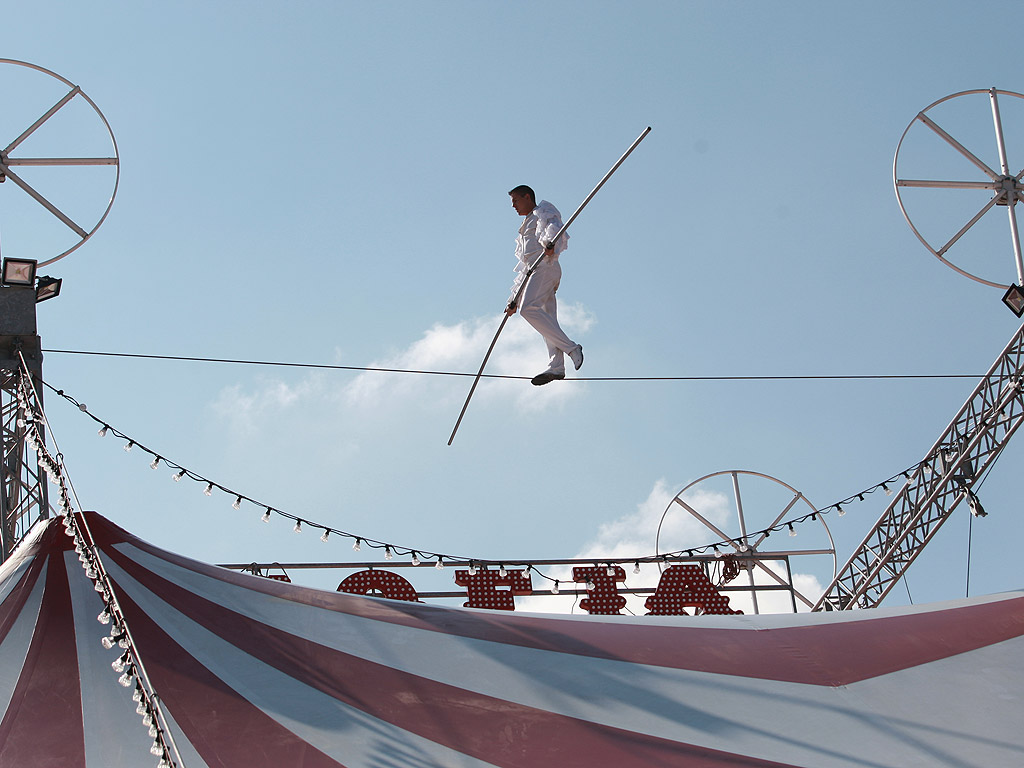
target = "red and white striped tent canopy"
x: 254, y: 672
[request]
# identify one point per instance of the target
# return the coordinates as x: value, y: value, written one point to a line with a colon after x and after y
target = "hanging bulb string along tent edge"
x: 129, y: 665
x: 422, y: 554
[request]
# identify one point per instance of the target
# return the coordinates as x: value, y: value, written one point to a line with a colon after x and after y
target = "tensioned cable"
x: 326, y: 366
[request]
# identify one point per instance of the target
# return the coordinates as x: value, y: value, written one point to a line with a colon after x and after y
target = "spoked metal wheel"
x: 738, y: 507
x: 953, y: 181
x: 59, y: 161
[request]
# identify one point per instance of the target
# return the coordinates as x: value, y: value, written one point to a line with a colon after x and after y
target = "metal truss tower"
x: 23, y: 492
x: 963, y: 453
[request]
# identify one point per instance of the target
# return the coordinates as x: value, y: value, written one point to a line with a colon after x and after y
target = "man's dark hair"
x: 522, y: 189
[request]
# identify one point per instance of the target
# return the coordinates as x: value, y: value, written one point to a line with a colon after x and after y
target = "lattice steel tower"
x: 961, y: 455
x: 23, y: 496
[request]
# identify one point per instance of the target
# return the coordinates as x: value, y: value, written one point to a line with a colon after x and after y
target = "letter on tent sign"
x: 604, y: 598
x: 686, y: 586
x: 482, y: 588
x: 386, y: 583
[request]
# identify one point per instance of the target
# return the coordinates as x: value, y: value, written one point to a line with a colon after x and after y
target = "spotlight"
x: 47, y: 288
x: 1013, y: 298
x: 19, y: 272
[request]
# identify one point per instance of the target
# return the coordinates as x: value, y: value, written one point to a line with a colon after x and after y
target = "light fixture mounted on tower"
x: 19, y: 272
x: 47, y: 288
x: 1014, y: 299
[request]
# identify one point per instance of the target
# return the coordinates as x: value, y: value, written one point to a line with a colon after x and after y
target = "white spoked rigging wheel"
x: 58, y: 196
x: 718, y: 510
x: 971, y: 183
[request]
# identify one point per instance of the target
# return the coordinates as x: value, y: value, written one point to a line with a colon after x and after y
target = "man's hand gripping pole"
x: 533, y: 267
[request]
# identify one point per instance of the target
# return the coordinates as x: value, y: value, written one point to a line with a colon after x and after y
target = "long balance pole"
x: 532, y: 269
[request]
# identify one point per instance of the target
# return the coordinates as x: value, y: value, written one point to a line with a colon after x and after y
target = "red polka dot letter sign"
x: 382, y: 583
x: 602, y: 586
x: 482, y: 588
x: 686, y: 586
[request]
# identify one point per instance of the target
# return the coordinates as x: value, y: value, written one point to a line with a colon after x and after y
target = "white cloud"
x: 519, y: 351
x: 247, y: 412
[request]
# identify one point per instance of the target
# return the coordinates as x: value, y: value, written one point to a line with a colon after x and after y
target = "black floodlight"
x: 47, y: 288
x: 19, y: 272
x: 1014, y: 299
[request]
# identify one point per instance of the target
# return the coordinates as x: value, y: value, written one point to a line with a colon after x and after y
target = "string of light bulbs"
x: 418, y: 555
x: 128, y: 665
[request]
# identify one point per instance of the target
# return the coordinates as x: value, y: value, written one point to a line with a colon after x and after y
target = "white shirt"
x: 539, y: 226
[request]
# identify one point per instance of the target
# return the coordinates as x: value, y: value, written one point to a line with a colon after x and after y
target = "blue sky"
x: 326, y: 183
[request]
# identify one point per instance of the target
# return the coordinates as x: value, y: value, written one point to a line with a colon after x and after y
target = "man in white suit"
x: 538, y: 307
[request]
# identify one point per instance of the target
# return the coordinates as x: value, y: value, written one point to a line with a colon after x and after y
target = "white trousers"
x: 539, y: 308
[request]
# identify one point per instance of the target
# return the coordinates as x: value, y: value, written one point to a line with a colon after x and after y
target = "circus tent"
x: 254, y: 672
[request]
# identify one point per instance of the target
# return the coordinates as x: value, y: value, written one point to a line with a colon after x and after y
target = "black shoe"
x: 543, y: 378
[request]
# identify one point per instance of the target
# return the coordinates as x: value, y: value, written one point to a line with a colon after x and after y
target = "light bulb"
x: 154, y: 463
x: 887, y: 489
x: 325, y: 534
x: 792, y: 530
x: 472, y: 568
x: 387, y: 552
x: 298, y: 526
x: 104, y: 618
x: 208, y: 490
x: 610, y: 570
x: 103, y: 432
x: 439, y: 564
x: 357, y: 545
x: 636, y: 567
x: 840, y: 510
x: 266, y: 516
x: 237, y: 503
x: 554, y: 589
x: 125, y: 680
x: 501, y: 571
x: 128, y: 446
x: 157, y: 749
x: 178, y: 475
x: 415, y: 558
x: 590, y: 586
